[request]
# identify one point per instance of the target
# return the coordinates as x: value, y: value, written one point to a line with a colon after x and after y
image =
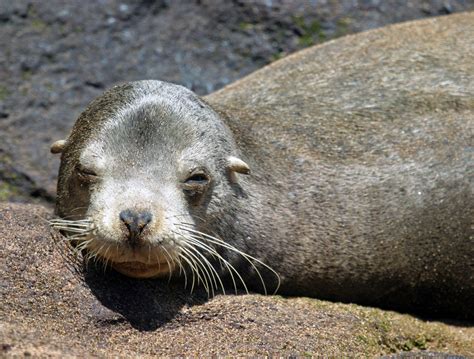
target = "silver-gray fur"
x: 361, y: 163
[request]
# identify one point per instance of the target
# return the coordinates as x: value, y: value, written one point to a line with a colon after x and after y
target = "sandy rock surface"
x: 48, y: 308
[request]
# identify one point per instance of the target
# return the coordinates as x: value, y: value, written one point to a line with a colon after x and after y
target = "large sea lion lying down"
x: 343, y: 172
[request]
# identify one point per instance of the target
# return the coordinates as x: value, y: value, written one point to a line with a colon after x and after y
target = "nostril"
x: 127, y: 217
x: 135, y: 222
x: 143, y: 219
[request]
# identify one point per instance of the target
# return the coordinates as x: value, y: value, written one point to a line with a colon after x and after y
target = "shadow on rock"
x: 146, y: 304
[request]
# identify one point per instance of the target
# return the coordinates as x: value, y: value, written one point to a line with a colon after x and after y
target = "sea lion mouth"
x: 136, y: 269
x: 190, y: 250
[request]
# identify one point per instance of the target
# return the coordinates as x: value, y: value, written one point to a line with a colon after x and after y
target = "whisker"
x: 159, y: 262
x: 73, y: 221
x: 185, y: 215
x: 106, y: 257
x: 149, y: 252
x: 198, y: 252
x: 173, y: 259
x: 169, y: 270
x: 213, y: 271
x: 70, y: 221
x: 193, y: 270
x: 67, y: 227
x: 226, y: 263
x: 72, y: 230
x: 194, y: 241
x: 71, y: 261
x: 200, y: 267
x: 248, y: 257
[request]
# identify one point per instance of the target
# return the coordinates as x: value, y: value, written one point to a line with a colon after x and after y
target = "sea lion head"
x: 146, y: 164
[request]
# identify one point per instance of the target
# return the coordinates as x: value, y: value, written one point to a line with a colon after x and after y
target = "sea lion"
x: 342, y: 172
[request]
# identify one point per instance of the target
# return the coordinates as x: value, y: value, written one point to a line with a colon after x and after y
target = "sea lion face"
x: 144, y: 176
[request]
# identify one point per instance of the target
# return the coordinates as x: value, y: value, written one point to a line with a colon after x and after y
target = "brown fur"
x: 361, y: 159
x: 362, y: 150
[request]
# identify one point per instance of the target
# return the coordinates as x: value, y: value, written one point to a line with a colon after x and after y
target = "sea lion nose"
x: 135, y: 223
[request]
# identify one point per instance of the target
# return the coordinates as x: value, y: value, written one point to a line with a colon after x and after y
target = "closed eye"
x: 196, y: 185
x: 198, y: 178
x: 86, y: 173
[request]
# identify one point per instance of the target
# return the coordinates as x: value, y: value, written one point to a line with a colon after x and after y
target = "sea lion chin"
x: 136, y: 269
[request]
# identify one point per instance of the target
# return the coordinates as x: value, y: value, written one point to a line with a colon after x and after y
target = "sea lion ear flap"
x: 236, y: 165
x: 58, y: 146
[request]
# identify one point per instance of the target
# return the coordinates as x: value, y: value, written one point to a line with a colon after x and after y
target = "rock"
x: 49, y: 309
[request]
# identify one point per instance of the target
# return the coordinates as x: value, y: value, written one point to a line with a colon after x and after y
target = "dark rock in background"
x: 57, y: 56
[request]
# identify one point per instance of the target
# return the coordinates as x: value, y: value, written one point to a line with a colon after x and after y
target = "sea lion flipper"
x: 58, y: 146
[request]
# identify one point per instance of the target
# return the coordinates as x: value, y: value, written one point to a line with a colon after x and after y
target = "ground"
x: 50, y: 309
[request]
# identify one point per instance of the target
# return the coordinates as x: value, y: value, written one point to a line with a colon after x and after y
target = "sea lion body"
x: 361, y: 170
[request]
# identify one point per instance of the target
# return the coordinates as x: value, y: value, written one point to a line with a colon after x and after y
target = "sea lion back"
x: 364, y: 145
x: 390, y: 92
